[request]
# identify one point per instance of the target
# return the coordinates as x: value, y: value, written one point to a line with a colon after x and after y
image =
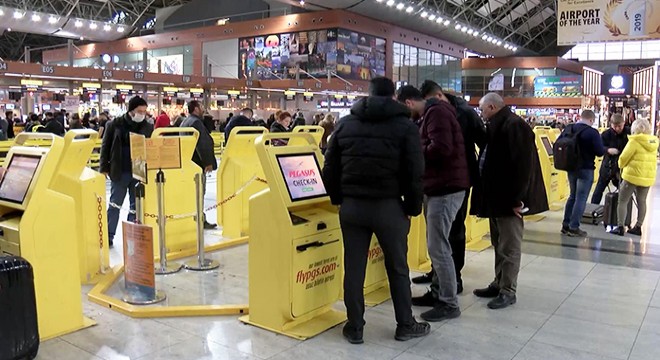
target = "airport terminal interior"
x: 166, y: 184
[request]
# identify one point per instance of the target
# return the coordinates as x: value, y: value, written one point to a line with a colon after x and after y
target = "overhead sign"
x: 31, y: 85
x: 197, y: 93
x: 233, y: 94
x: 581, y: 21
x: 616, y: 84
x: 558, y: 86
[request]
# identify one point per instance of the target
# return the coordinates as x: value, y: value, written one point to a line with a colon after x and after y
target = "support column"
x: 70, y: 52
x: 145, y: 67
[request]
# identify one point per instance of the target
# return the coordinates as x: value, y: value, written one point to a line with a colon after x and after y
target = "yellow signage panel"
x: 233, y: 92
x: 197, y: 90
x: 170, y: 89
x: 606, y: 20
x: 124, y: 87
x: 91, y: 85
x: 289, y: 92
x: 32, y: 82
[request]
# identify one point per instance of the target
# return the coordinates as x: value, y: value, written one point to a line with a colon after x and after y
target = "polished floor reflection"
x: 587, y: 299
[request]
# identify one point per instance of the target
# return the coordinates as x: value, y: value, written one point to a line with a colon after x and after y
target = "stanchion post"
x: 163, y: 268
x: 139, y: 202
x: 201, y: 263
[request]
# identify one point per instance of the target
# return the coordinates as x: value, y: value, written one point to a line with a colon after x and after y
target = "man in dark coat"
x: 204, y: 155
x: 446, y: 178
x: 242, y: 119
x: 116, y: 159
x: 614, y: 139
x: 474, y: 134
x: 373, y: 169
x: 511, y: 186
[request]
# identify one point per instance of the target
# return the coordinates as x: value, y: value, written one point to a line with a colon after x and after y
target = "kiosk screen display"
x: 547, y: 145
x: 302, y: 176
x: 18, y: 177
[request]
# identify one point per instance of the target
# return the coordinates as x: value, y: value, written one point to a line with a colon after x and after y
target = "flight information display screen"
x: 18, y: 177
x: 302, y: 176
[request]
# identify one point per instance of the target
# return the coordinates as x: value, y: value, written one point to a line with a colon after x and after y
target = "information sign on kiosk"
x: 36, y: 223
x: 295, y: 250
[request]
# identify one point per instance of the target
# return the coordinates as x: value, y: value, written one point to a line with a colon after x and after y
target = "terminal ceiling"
x: 38, y: 23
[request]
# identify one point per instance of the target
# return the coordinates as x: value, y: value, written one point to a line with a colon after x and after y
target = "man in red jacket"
x: 445, y: 179
x: 162, y: 120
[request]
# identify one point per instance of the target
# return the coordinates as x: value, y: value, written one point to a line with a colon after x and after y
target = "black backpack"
x: 566, y: 150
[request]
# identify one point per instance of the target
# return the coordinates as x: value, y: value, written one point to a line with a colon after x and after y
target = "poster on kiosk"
x: 295, y: 242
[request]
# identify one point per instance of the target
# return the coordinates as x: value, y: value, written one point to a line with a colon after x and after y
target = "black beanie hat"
x: 135, y: 102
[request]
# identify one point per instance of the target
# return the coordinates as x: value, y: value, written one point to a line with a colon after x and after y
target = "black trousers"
x: 457, y: 237
x: 360, y: 220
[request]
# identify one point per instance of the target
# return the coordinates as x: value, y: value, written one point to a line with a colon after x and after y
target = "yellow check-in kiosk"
x: 180, y: 198
x: 238, y: 168
x: 550, y: 174
x: 315, y: 130
x: 295, y: 249
x: 476, y: 229
x: 418, y: 253
x: 88, y: 189
x: 39, y: 224
x: 376, y: 285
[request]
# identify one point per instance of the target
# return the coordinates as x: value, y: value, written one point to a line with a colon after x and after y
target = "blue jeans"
x: 580, y: 182
x: 118, y: 191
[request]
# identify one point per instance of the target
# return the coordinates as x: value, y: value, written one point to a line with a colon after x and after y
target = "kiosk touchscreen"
x: 295, y: 242
x: 547, y: 145
x: 36, y: 223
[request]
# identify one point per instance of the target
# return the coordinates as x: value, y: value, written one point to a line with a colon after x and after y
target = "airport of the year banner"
x: 581, y: 21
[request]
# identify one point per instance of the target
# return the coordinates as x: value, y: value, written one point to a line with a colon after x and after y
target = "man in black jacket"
x: 615, y: 139
x: 52, y: 125
x: 204, y: 155
x: 510, y: 186
x: 116, y: 159
x: 474, y: 134
x: 242, y: 119
x: 373, y: 169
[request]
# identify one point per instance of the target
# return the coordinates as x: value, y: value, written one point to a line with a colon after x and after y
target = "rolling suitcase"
x: 593, y: 214
x: 19, y: 333
x: 610, y: 217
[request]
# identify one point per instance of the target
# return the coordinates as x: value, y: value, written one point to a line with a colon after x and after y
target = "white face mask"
x: 138, y: 118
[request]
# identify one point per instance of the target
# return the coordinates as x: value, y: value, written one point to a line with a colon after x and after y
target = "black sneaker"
x: 424, y: 300
x: 637, y: 230
x: 110, y: 244
x: 441, y: 312
x: 209, y: 226
x: 353, y: 335
x: 488, y: 292
x: 423, y: 279
x: 502, y: 301
x: 564, y: 230
x: 416, y: 330
x: 576, y: 233
x: 618, y: 230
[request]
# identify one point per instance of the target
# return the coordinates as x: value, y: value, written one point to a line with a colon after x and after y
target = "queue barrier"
x: 218, y: 143
x: 239, y: 164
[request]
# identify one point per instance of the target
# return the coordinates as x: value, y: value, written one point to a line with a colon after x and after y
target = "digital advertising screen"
x: 18, y: 177
x: 302, y: 176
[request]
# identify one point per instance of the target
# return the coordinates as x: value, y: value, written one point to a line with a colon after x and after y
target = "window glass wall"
x: 633, y: 50
x: 413, y: 65
x: 176, y: 60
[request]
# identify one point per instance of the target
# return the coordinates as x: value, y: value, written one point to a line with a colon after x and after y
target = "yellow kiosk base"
x: 478, y: 245
x: 303, y: 330
x: 98, y: 294
x: 377, y: 295
x: 534, y: 218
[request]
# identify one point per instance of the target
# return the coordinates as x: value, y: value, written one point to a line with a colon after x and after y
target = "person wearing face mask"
x: 116, y: 158
x: 204, y: 156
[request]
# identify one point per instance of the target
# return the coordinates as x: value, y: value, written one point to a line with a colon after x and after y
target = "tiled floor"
x: 590, y: 299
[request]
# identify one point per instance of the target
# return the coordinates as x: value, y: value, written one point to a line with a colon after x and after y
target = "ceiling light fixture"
x: 52, y: 20
x: 433, y: 17
x: 447, y: 22
x: 390, y: 2
x: 424, y: 14
x: 18, y: 14
x: 475, y: 34
x: 470, y: 31
x: 107, y: 27
x: 409, y: 9
x: 515, y: 49
x: 499, y: 43
x: 484, y: 37
x: 464, y: 29
x: 1, y: 12
x: 120, y: 29
x: 400, y: 6
x: 93, y: 26
x: 457, y: 27
x: 439, y: 20
x: 302, y: 2
x: 36, y: 17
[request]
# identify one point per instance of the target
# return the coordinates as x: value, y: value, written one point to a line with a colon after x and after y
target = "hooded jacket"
x: 375, y: 153
x: 446, y: 169
x: 639, y: 160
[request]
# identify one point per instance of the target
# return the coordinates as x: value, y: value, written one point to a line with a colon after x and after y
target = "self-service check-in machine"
x: 87, y: 187
x: 418, y: 254
x: 550, y: 174
x: 315, y: 130
x: 237, y: 181
x: 295, y: 256
x: 38, y: 223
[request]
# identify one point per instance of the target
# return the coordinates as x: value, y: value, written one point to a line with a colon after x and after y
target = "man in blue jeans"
x: 116, y: 159
x: 590, y: 145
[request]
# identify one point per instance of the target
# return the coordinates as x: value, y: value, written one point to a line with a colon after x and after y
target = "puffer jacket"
x: 639, y: 160
x: 375, y: 153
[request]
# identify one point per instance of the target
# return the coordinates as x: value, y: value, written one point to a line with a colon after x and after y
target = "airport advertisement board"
x: 580, y: 21
x: 558, y: 86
